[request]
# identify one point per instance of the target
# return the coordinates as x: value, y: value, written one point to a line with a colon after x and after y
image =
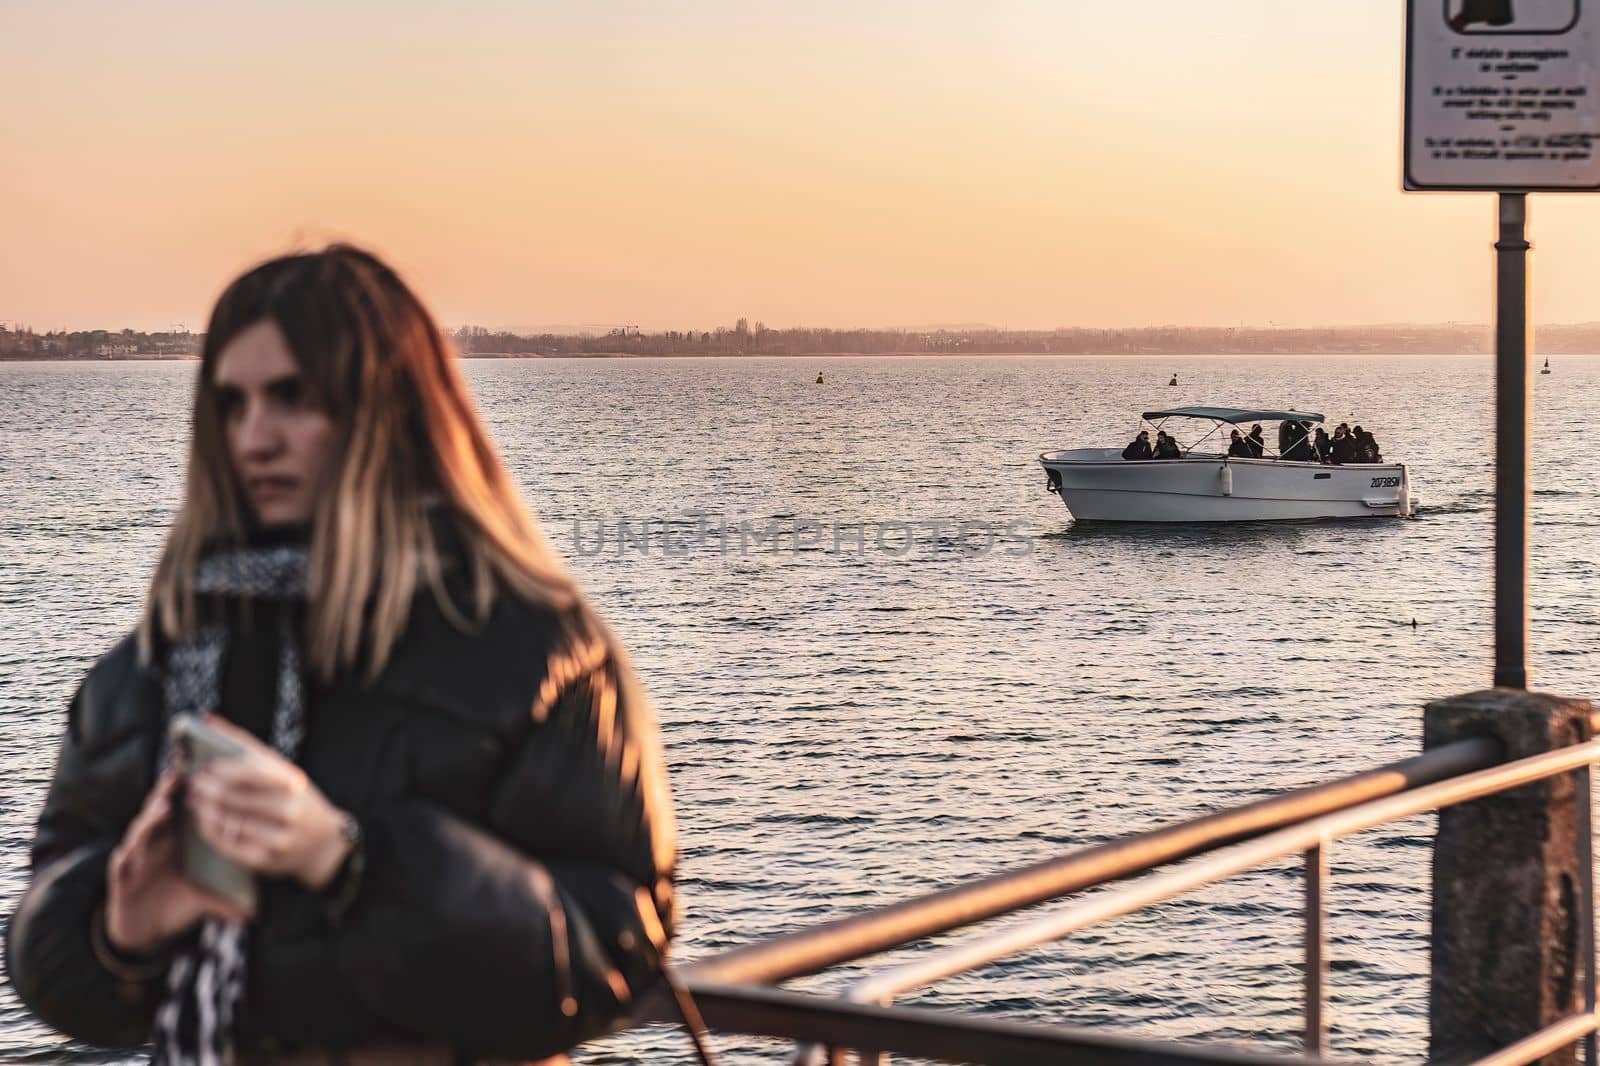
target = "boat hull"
x: 1099, y: 485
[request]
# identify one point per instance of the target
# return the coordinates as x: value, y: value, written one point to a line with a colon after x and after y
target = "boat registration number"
x: 1385, y: 482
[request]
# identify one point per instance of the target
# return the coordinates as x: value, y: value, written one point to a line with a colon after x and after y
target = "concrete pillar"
x: 1506, y: 891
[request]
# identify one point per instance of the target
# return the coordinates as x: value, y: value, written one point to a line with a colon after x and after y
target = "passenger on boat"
x: 1293, y: 444
x: 1366, y: 447
x: 1323, y: 446
x: 1253, y: 439
x: 1344, y: 445
x: 1167, y: 447
x: 1239, y: 448
x: 1139, y: 448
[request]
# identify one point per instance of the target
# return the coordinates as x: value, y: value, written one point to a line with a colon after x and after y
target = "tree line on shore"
x: 24, y: 343
x: 742, y: 339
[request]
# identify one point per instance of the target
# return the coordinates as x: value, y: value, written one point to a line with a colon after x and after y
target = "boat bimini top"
x: 1233, y: 415
x: 1226, y: 416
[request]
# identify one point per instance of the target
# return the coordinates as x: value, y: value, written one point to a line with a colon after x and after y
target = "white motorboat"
x: 1210, y: 486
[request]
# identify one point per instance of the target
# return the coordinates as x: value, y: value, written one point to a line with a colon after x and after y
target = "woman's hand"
x: 261, y: 811
x: 148, y: 898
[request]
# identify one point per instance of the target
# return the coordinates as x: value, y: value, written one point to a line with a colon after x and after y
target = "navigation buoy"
x: 1174, y: 380
x: 819, y: 379
x: 1546, y: 369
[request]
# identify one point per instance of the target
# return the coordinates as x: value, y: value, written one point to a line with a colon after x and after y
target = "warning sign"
x: 1502, y: 95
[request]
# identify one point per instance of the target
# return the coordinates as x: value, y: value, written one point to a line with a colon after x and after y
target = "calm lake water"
x: 863, y: 718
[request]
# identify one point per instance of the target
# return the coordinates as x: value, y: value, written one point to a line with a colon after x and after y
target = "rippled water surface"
x: 861, y: 718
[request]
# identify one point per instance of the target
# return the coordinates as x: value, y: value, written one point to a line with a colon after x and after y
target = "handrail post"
x: 1316, y: 960
x: 1584, y: 782
x: 1508, y: 884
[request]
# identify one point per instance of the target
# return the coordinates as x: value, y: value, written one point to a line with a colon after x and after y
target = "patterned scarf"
x: 194, y: 1025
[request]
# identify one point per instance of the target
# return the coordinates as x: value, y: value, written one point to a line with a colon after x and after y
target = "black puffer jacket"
x: 520, y: 850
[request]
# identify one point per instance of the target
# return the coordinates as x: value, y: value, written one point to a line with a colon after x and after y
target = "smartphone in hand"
x: 196, y: 745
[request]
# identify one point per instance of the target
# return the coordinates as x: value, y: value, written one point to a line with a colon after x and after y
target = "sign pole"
x: 1511, y: 445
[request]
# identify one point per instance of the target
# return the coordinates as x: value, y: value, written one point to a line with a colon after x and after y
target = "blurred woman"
x: 450, y: 793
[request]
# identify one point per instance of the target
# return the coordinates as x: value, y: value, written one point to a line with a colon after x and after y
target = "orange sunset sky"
x: 671, y: 165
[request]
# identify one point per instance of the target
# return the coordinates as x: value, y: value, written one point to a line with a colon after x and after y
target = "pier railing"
x: 1512, y: 977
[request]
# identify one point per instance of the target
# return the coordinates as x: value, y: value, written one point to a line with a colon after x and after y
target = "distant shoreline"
x: 744, y: 341
x: 1175, y: 354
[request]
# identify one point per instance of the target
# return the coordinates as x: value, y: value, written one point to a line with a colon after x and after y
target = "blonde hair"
x: 406, y: 442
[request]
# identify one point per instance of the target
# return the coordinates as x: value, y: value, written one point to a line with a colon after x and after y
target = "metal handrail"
x: 883, y: 929
x: 1310, y: 838
x: 938, y: 1035
x: 1305, y: 821
x: 1551, y: 1038
x: 1311, y: 835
